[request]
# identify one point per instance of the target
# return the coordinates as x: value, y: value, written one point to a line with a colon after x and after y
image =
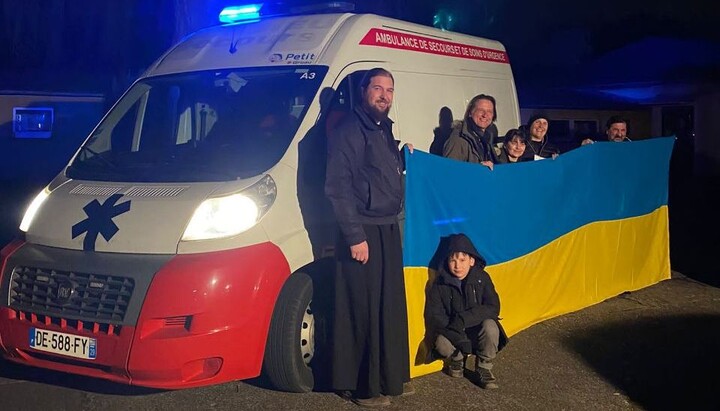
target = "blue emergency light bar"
x: 253, y: 12
x: 236, y: 14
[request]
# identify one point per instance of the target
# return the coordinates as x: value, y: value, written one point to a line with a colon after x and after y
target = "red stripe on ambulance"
x: 411, y: 42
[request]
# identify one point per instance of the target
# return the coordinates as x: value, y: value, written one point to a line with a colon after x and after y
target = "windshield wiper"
x: 100, y: 156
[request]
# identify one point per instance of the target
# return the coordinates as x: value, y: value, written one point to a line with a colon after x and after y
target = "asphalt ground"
x: 654, y: 349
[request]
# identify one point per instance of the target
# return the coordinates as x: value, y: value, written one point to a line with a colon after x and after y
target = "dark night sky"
x: 93, y: 44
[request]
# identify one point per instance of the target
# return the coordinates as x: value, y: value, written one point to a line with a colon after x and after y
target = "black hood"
x: 535, y: 117
x: 461, y: 243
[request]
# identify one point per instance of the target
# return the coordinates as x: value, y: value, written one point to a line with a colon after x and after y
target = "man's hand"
x: 587, y: 141
x: 410, y: 147
x: 488, y: 164
x: 360, y: 252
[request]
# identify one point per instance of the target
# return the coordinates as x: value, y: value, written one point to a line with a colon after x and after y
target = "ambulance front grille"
x: 67, y: 294
x: 45, y: 321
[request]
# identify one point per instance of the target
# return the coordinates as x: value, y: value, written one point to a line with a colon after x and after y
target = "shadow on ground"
x: 14, y: 371
x: 662, y: 363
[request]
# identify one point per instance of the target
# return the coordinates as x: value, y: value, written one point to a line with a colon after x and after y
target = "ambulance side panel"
x: 425, y: 80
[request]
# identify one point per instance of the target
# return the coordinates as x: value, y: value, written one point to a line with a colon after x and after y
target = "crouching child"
x: 462, y: 313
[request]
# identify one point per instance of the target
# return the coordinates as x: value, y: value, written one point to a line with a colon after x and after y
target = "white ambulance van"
x: 184, y: 241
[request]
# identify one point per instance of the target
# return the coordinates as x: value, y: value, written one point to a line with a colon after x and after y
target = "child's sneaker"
x: 454, y: 368
x: 485, y: 378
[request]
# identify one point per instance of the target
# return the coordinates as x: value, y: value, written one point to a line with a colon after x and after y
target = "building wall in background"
x: 707, y: 133
x: 35, y: 159
x: 569, y: 126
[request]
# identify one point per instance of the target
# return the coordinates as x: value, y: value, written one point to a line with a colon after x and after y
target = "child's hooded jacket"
x: 454, y: 306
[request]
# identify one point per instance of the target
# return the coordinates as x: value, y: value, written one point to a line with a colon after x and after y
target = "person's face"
x: 538, y: 129
x: 460, y: 264
x: 617, y: 132
x: 515, y: 147
x: 378, y: 96
x: 482, y: 113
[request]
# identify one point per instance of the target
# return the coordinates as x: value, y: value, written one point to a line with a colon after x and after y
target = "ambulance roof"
x: 324, y: 39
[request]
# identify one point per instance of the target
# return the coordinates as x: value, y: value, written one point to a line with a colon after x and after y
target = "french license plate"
x: 63, y: 344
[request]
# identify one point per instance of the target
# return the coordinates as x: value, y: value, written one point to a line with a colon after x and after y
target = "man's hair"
x: 471, y: 105
x: 615, y: 119
x: 377, y: 71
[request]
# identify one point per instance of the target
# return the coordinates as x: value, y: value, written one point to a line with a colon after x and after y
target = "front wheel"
x: 291, y: 342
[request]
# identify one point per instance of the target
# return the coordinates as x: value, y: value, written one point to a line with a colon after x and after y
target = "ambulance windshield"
x: 215, y: 125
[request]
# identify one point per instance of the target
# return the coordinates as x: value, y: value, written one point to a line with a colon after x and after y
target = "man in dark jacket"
x: 364, y: 185
x: 462, y: 312
x: 615, y: 129
x: 538, y: 146
x: 474, y: 139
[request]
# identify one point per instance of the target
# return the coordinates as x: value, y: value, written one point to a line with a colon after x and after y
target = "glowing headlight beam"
x: 33, y: 208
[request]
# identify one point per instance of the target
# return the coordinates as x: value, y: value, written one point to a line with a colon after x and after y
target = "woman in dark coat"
x: 514, y: 146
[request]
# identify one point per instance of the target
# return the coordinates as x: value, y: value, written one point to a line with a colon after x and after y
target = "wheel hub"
x: 307, y: 335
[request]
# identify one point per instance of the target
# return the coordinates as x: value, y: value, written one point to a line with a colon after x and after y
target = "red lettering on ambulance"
x: 390, y: 39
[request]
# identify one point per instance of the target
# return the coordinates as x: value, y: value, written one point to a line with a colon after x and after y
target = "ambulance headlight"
x: 33, y: 209
x: 231, y: 215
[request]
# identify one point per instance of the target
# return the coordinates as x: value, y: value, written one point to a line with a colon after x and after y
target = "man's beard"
x: 377, y: 114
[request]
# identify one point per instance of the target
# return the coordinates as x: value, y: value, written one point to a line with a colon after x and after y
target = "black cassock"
x: 370, y: 330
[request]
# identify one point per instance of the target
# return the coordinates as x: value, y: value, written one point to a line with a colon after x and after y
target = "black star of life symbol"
x: 100, y: 220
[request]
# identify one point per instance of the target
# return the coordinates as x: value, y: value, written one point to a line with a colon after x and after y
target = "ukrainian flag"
x: 558, y: 235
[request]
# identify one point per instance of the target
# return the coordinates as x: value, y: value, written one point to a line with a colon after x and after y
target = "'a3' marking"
x: 100, y: 220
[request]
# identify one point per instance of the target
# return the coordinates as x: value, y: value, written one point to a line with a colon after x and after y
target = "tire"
x: 290, y: 345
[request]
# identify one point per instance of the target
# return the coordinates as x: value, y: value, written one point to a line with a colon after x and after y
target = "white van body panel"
x: 455, y: 94
x: 154, y: 223
x: 432, y: 69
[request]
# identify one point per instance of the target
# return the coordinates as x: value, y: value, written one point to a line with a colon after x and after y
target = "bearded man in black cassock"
x: 364, y: 184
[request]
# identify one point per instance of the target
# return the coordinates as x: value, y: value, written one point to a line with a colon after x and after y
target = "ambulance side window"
x: 343, y: 100
x: 334, y: 106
